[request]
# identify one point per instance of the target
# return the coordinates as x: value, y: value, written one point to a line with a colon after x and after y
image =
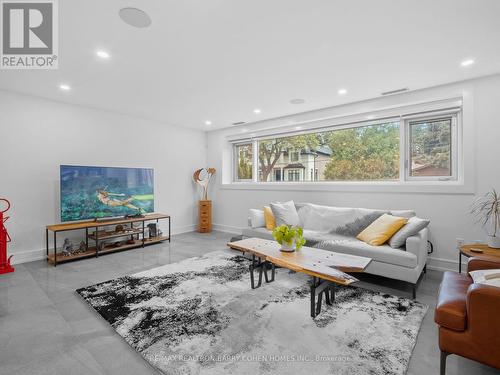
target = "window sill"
x: 414, y: 187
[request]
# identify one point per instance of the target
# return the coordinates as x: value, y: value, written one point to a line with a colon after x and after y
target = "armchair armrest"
x: 483, y: 319
x: 475, y: 264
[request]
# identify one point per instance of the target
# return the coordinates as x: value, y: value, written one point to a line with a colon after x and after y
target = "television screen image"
x: 97, y: 192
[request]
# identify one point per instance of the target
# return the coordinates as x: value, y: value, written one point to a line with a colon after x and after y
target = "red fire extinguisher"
x: 5, y: 266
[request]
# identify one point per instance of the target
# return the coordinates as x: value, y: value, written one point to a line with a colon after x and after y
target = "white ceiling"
x: 219, y: 59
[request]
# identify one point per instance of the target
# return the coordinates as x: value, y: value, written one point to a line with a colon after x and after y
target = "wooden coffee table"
x: 325, y: 267
x: 486, y: 253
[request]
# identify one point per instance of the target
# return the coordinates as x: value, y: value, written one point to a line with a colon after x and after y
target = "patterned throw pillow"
x: 359, y: 224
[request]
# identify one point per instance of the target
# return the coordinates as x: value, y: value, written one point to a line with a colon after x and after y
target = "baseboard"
x: 34, y: 255
x: 27, y: 256
x: 441, y: 264
x: 227, y: 228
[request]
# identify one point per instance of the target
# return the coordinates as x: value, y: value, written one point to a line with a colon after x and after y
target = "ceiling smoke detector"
x: 135, y: 17
x: 396, y: 91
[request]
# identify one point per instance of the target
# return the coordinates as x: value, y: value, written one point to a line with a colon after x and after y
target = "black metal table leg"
x: 87, y: 239
x: 169, y: 234
x: 96, y: 242
x: 318, y: 287
x: 47, y: 242
x: 262, y: 266
x: 459, y: 261
x: 55, y: 249
x: 256, y: 264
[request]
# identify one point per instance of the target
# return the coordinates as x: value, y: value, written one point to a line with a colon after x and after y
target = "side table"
x: 487, y: 253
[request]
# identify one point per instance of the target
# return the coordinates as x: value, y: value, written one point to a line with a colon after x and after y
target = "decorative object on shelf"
x: 202, y: 177
x: 130, y: 241
x: 486, y: 210
x: 119, y: 228
x: 82, y: 248
x: 5, y: 266
x: 67, y: 247
x: 289, y: 237
x: 153, y: 230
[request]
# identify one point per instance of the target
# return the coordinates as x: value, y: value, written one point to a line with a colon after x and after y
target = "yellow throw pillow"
x: 382, y: 229
x: 269, y: 218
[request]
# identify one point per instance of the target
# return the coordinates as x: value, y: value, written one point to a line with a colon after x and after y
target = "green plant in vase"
x: 289, y: 237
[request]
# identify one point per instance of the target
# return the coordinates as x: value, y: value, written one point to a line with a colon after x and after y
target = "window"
x: 294, y: 175
x: 430, y: 148
x: 398, y: 149
x: 244, y: 165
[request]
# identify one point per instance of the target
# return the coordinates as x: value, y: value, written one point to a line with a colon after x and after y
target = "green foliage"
x: 287, y: 233
x: 430, y: 143
x: 271, y: 150
x: 244, y: 166
x: 364, y: 153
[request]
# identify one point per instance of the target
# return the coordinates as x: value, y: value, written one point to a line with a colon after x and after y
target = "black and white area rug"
x: 200, y: 316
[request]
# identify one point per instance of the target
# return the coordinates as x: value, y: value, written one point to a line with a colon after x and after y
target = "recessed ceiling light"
x: 208, y: 122
x: 103, y: 54
x: 467, y: 62
x: 298, y: 128
x: 64, y: 87
x: 135, y: 17
x: 342, y: 91
x: 244, y: 130
x: 297, y: 101
x: 257, y: 111
x: 370, y: 117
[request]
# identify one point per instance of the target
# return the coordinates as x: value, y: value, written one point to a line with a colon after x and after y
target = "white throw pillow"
x: 285, y: 213
x: 411, y: 228
x: 486, y: 277
x: 257, y: 219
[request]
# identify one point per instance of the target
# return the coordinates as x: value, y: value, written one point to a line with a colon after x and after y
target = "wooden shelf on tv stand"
x: 133, y: 234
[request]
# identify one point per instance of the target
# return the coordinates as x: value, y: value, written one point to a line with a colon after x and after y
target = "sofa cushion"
x: 285, y: 213
x: 346, y: 221
x: 311, y: 237
x: 383, y: 254
x: 257, y: 219
x: 379, y: 232
x: 269, y: 218
x: 412, y: 227
x: 403, y: 213
x: 451, y: 308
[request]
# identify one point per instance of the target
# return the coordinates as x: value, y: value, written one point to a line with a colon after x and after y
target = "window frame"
x: 454, y: 149
x: 405, y: 177
x: 235, y: 160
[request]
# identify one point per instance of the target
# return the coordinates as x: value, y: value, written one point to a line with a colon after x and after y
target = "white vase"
x: 494, y: 242
x: 286, y: 248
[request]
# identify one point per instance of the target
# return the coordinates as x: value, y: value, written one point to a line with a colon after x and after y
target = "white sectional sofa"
x: 335, y: 229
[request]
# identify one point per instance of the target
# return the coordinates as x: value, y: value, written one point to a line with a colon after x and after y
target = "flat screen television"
x: 98, y: 192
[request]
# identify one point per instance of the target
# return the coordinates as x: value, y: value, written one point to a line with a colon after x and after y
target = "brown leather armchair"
x: 468, y: 316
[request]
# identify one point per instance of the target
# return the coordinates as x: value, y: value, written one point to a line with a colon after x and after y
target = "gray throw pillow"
x: 285, y: 213
x: 411, y: 228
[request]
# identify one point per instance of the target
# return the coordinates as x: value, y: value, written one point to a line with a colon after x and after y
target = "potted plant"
x: 486, y: 209
x: 289, y: 237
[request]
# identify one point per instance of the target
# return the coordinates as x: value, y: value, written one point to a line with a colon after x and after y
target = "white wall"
x: 36, y: 136
x: 448, y: 211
